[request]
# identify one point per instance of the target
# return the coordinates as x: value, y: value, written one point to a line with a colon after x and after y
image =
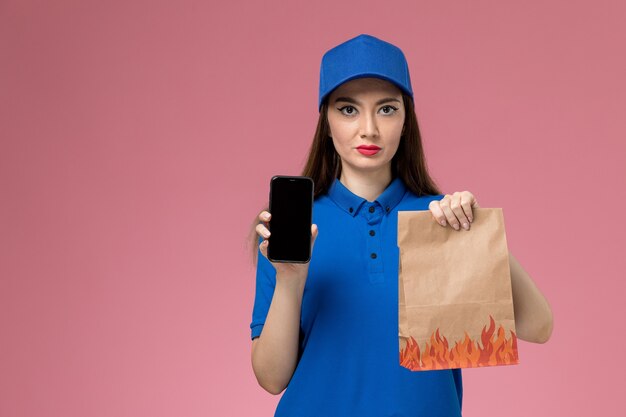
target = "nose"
x: 369, y: 125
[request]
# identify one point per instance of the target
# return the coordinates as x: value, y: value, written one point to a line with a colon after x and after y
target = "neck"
x: 368, y: 185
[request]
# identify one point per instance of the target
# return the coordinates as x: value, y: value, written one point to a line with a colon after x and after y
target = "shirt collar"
x: 351, y: 203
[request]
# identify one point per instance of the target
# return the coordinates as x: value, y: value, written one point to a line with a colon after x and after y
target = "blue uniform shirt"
x: 349, y: 350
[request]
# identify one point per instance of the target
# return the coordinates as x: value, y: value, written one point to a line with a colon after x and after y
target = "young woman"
x: 327, y: 331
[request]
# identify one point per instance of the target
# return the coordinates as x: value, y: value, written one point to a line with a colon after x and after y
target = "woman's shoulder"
x: 412, y: 201
x: 324, y: 204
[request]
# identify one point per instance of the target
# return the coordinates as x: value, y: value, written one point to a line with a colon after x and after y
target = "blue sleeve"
x: 265, y: 284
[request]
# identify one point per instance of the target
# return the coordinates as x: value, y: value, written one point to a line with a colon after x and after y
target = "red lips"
x: 368, y: 150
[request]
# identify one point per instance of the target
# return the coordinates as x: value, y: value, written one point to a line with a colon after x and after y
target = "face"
x: 366, y: 116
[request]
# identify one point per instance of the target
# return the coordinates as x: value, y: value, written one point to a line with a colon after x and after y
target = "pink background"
x: 137, y: 143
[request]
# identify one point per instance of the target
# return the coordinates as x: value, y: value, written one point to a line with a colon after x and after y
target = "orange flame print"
x: 466, y: 354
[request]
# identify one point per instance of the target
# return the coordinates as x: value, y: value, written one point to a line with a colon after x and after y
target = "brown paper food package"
x: 455, y: 305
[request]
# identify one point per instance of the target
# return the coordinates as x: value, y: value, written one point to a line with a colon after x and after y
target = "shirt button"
x: 351, y: 209
x: 388, y: 209
x: 372, y: 209
x: 373, y: 255
x: 372, y: 233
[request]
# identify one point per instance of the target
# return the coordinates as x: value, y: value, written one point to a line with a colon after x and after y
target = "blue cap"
x: 363, y: 56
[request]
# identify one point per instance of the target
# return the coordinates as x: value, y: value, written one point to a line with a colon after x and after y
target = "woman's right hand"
x: 297, y: 270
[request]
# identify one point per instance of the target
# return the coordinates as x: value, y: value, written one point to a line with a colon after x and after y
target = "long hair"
x: 323, y: 164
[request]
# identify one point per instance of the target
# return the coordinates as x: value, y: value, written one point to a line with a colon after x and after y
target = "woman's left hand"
x: 455, y: 209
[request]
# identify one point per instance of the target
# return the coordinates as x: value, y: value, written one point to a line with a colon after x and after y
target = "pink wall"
x: 137, y: 143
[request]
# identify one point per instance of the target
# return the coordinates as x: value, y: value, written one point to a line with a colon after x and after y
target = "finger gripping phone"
x: 291, y: 207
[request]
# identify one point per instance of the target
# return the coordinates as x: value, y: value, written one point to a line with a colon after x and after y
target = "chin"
x: 369, y: 166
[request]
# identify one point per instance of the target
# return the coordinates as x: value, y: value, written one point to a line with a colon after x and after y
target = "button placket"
x: 374, y: 215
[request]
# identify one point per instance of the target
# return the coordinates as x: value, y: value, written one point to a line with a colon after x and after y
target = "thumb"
x: 314, y: 232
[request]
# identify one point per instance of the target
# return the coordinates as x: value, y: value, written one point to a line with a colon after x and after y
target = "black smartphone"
x: 291, y: 207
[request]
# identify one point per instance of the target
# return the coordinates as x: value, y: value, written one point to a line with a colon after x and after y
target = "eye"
x: 347, y: 110
x: 388, y: 109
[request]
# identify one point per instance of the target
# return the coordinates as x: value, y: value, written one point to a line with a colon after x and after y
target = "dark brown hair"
x: 323, y: 164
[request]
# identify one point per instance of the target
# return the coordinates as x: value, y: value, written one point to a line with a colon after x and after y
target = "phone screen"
x: 291, y: 206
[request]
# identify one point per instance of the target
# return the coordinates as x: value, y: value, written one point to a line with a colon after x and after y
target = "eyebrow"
x: 353, y: 101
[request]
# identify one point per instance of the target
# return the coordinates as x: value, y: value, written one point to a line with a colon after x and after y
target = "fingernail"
x: 471, y: 219
x: 456, y: 226
x: 443, y: 222
x: 465, y: 226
